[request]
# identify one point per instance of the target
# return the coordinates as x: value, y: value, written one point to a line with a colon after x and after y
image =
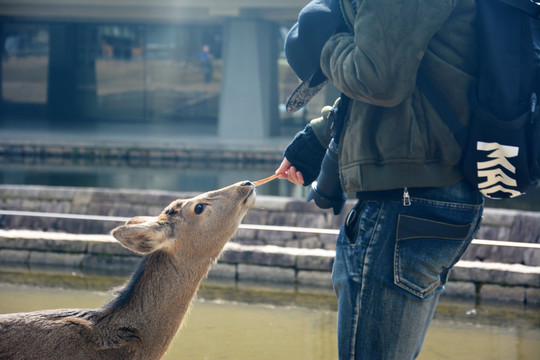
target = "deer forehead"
x: 174, y: 208
x: 185, y: 206
x: 181, y: 211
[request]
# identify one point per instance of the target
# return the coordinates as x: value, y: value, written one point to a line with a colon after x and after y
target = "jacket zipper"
x: 406, y: 197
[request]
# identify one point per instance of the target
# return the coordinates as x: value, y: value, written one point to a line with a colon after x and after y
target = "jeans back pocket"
x: 425, y: 251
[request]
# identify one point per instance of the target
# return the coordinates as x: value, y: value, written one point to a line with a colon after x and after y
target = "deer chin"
x: 249, y: 201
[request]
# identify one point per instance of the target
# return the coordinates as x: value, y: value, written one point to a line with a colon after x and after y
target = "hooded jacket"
x: 393, y: 137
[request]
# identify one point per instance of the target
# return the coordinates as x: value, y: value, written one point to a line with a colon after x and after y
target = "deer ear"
x: 140, y: 220
x: 143, y: 237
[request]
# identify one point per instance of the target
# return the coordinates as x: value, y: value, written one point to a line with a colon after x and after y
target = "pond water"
x: 231, y: 321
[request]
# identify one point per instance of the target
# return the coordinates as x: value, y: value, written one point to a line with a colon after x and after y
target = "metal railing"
x: 242, y: 226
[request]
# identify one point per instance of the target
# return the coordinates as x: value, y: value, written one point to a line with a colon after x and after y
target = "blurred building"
x: 140, y: 61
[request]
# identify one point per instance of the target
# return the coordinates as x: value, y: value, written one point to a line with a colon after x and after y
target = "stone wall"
x: 510, y: 273
x: 497, y: 224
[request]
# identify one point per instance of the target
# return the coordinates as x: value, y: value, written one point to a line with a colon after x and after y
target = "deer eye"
x: 199, y: 208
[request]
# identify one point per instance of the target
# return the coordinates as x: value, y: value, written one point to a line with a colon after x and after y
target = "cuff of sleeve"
x: 306, y: 153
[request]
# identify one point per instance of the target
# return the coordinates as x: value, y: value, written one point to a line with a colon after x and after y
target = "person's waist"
x: 393, y: 194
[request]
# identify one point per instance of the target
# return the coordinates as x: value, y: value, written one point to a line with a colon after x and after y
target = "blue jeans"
x: 392, y: 262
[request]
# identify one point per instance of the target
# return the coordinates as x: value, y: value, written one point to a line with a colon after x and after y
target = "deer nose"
x: 247, y: 183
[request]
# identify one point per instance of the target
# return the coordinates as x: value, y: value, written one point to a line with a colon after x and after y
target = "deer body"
x: 179, y: 246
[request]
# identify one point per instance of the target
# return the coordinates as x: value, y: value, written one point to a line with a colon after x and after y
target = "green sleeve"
x: 378, y: 64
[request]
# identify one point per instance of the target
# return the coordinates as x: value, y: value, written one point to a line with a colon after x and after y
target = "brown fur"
x: 179, y: 247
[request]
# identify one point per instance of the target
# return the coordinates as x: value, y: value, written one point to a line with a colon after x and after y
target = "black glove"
x: 305, y: 153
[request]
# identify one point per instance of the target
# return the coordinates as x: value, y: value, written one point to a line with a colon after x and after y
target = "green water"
x: 228, y: 321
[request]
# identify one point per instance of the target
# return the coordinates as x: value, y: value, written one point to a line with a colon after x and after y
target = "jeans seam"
x: 447, y: 204
x: 360, y: 287
x: 355, y: 320
x: 374, y: 233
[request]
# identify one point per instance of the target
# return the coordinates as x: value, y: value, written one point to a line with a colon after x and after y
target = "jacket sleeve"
x: 306, y: 153
x: 378, y: 63
x: 308, y: 148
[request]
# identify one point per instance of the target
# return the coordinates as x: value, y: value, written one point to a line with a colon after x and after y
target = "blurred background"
x: 200, y: 84
x: 79, y: 78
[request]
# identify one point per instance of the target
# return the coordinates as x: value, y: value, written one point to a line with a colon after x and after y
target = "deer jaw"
x: 195, y: 228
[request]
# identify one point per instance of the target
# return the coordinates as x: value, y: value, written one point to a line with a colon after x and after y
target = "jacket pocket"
x: 425, y: 251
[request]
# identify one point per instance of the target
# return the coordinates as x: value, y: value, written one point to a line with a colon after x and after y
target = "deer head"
x: 198, y: 227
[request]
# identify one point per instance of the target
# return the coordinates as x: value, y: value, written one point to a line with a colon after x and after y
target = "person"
x: 415, y: 215
x: 206, y: 58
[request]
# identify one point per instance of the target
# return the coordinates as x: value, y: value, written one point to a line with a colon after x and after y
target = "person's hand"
x: 289, y: 172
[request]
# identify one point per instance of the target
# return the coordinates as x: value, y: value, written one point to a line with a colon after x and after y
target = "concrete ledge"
x: 43, y: 241
x: 255, y: 273
x: 499, y: 273
x: 532, y: 296
x: 502, y: 293
x: 8, y: 256
x: 460, y: 289
x: 117, y: 264
x: 223, y: 272
x: 497, y: 224
x: 484, y: 281
x: 314, y: 278
x: 276, y: 256
x: 55, y: 259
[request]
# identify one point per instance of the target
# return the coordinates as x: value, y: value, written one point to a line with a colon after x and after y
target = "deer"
x: 179, y: 247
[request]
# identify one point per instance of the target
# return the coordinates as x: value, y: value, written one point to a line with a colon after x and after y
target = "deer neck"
x: 159, y: 294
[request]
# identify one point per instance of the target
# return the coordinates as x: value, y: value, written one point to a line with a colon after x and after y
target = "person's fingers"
x: 282, y: 169
x: 295, y: 176
x: 289, y: 172
x: 300, y: 178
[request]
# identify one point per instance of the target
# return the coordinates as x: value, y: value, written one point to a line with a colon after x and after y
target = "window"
x: 25, y: 62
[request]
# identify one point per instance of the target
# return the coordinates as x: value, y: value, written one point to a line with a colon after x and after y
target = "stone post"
x: 249, y: 93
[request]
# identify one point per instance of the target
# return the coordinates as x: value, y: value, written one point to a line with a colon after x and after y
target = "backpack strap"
x: 532, y: 7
